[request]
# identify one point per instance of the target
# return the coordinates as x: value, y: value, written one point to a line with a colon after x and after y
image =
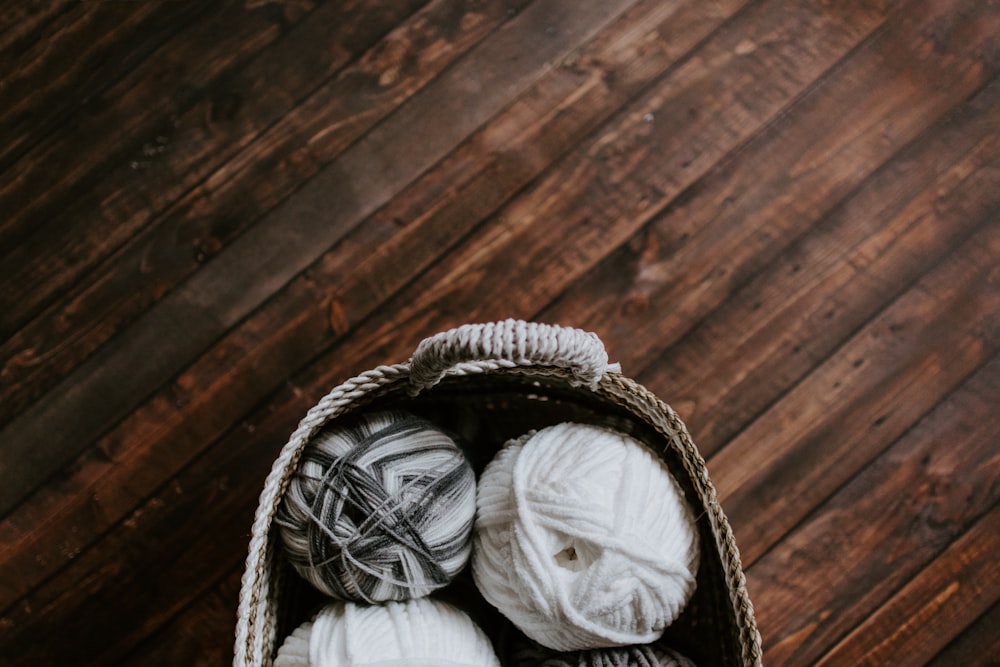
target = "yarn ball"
x: 583, y: 539
x: 381, y: 509
x: 424, y: 632
x: 531, y: 654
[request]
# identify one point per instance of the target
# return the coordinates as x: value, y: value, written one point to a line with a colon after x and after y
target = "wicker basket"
x: 491, y: 382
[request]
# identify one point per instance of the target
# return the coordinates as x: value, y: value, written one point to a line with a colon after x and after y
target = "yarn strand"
x: 583, y: 539
x: 379, y: 510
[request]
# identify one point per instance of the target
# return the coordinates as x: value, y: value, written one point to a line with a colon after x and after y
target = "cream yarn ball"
x: 583, y: 539
x: 416, y: 633
x: 379, y: 509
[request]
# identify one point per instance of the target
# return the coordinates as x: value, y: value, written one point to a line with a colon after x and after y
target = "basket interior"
x: 486, y: 411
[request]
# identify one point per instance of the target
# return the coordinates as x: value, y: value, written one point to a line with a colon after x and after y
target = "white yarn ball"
x: 422, y: 632
x: 583, y: 539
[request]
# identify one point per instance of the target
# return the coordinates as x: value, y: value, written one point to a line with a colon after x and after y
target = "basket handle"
x: 510, y: 343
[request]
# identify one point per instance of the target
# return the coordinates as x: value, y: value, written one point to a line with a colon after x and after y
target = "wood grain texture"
x: 184, y: 237
x: 292, y: 236
x: 879, y: 368
x: 47, y: 80
x: 192, y: 122
x: 951, y: 591
x: 780, y: 216
x: 977, y: 646
x: 833, y: 571
x: 241, y: 368
x: 30, y: 22
x: 762, y: 198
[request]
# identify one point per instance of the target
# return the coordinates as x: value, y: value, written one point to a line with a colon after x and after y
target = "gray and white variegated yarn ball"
x: 531, y: 654
x: 583, y: 539
x: 379, y: 509
x: 415, y: 633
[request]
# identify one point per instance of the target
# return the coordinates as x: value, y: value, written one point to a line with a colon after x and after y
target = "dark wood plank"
x: 236, y: 460
x: 272, y: 166
x: 796, y: 310
x: 167, y: 81
x: 856, y: 403
x: 977, y: 646
x: 195, y: 636
x: 447, y: 202
x: 269, y: 168
x: 95, y: 49
x: 775, y: 188
x: 615, y: 183
x: 952, y: 591
x: 545, y: 123
x: 881, y: 529
x: 29, y: 22
x: 291, y: 237
x: 161, y: 131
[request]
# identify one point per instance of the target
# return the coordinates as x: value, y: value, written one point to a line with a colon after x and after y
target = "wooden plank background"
x: 782, y: 216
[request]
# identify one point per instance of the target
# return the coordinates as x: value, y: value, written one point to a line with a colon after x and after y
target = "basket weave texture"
x: 523, y: 375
